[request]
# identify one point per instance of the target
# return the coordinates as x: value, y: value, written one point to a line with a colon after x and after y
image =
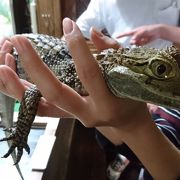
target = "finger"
x: 9, y: 61
x: 128, y: 33
x: 96, y: 38
x: 139, y: 38
x: 101, y: 41
x: 10, y: 84
x: 139, y: 42
x: 50, y: 87
x: 3, y: 40
x: 96, y: 32
x: 2, y: 57
x: 87, y: 68
x: 6, y: 48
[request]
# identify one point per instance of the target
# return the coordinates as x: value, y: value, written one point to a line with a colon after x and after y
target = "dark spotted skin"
x: 26, y: 116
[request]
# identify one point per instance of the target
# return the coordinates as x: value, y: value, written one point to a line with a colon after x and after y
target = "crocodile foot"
x: 27, y: 112
x: 18, y: 142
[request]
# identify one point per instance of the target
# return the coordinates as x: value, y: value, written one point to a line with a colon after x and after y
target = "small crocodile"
x: 140, y: 73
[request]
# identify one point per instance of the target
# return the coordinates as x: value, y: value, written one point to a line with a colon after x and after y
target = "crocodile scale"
x: 140, y: 73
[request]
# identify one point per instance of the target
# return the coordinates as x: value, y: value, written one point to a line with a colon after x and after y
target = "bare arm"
x: 170, y: 33
x: 146, y: 34
x: 153, y: 149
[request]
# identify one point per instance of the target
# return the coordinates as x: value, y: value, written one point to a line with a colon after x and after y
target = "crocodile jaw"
x: 125, y: 83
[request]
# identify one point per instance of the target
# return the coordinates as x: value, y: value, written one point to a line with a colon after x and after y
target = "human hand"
x: 9, y: 81
x: 10, y: 84
x: 101, y: 107
x: 143, y: 34
x: 6, y: 58
x: 101, y: 41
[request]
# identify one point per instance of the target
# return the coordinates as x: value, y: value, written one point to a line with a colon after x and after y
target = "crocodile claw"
x: 17, y: 142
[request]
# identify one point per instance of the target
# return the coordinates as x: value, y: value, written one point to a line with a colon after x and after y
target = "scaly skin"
x: 26, y: 116
x: 144, y: 74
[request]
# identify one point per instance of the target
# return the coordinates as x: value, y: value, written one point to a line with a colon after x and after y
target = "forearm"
x: 153, y: 149
x: 157, y: 153
x: 170, y: 33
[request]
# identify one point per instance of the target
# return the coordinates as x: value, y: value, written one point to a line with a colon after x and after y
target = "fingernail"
x: 95, y: 31
x: 67, y: 26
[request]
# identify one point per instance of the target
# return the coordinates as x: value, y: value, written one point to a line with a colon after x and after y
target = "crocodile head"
x: 144, y: 74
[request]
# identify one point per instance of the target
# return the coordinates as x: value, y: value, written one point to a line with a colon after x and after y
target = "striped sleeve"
x: 168, y: 121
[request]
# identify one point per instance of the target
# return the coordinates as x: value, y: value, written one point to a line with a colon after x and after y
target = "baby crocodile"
x: 140, y: 73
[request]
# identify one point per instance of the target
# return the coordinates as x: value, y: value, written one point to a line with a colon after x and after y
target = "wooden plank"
x: 76, y: 154
x: 49, y: 17
x: 58, y: 32
x: 58, y: 161
x: 87, y: 160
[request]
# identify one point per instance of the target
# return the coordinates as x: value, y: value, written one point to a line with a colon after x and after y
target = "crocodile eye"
x: 161, y: 69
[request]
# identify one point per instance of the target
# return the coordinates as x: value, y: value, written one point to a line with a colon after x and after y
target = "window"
x: 6, y: 18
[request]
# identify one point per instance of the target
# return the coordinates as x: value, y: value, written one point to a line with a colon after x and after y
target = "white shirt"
x: 118, y: 16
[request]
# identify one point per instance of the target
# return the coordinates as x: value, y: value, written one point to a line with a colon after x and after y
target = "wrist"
x: 133, y: 124
x: 163, y: 32
x: 157, y: 30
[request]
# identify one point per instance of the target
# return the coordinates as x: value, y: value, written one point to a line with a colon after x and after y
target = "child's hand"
x: 143, y: 34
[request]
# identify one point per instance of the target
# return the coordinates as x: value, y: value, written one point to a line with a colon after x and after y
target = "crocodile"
x: 140, y: 73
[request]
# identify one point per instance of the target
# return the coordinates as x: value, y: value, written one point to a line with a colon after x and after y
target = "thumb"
x: 101, y: 41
